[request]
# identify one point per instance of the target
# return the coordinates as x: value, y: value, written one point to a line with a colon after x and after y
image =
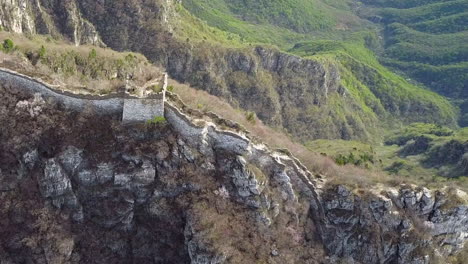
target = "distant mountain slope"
x: 278, y: 22
x: 428, y: 40
x: 374, y: 90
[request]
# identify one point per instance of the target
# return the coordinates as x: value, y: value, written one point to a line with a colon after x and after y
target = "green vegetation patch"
x: 417, y: 130
x: 428, y: 41
x: 377, y: 89
x: 157, y: 120
x: 278, y: 22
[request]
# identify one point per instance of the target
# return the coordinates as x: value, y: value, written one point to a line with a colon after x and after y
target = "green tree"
x: 251, y: 117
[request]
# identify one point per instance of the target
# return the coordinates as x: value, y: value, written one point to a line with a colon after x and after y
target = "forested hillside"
x: 428, y: 41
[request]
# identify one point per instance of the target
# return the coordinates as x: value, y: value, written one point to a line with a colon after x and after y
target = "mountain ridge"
x: 189, y: 177
x: 229, y: 78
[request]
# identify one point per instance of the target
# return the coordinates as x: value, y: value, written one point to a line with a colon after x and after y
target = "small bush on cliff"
x: 251, y: 117
x: 92, y: 54
x: 8, y: 45
x: 157, y: 120
x: 156, y: 88
x: 42, y: 52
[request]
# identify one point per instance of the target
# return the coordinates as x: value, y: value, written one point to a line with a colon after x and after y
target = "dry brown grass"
x: 140, y: 70
x: 34, y: 42
x: 318, y: 164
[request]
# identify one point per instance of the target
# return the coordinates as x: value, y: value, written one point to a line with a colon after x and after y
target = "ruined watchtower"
x: 136, y: 109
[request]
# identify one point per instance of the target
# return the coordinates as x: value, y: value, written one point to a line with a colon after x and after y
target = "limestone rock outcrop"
x: 190, y: 192
x: 78, y: 187
x: 40, y: 17
x: 392, y: 224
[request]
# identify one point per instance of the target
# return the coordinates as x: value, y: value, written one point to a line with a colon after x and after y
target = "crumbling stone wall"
x: 132, y: 109
x: 111, y: 104
x: 140, y: 110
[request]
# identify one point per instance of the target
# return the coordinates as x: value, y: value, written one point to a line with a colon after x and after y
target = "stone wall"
x: 131, y: 109
x: 111, y: 104
x: 141, y: 110
x: 206, y: 133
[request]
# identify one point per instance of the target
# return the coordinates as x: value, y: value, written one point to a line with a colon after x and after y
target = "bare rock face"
x: 16, y: 16
x: 55, y: 182
x: 31, y: 17
x: 75, y: 188
x: 393, y: 225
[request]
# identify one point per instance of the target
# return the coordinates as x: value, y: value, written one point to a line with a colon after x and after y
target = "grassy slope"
x: 428, y: 40
x: 374, y: 86
x: 378, y: 94
x: 281, y: 23
x: 423, y: 166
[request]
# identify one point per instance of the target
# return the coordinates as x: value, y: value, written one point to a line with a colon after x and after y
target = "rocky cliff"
x: 80, y: 189
x: 50, y: 17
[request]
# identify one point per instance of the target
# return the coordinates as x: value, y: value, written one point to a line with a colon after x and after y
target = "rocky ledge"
x: 75, y: 188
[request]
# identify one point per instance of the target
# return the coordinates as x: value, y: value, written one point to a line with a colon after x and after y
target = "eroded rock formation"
x: 31, y: 17
x: 82, y: 188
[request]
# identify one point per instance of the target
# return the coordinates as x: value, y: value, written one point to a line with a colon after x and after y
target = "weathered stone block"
x: 142, y: 110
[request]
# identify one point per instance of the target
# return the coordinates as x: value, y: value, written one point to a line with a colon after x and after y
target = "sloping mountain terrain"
x: 79, y: 187
x: 326, y: 95
x: 427, y: 40
x: 194, y: 187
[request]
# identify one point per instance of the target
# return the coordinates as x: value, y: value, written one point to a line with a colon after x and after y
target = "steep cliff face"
x: 405, y: 225
x: 286, y: 88
x: 92, y: 191
x: 51, y: 17
x: 80, y: 189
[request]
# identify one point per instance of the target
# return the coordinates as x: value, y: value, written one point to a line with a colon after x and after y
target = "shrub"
x: 156, y: 88
x: 170, y: 88
x: 42, y: 52
x: 130, y: 58
x: 417, y: 130
x: 8, y: 45
x: 362, y: 159
x: 157, y: 120
x: 397, y: 166
x: 92, y: 54
x: 251, y: 117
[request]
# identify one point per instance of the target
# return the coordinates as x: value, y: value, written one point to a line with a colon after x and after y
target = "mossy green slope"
x: 278, y: 22
x: 378, y: 89
x: 373, y: 94
x: 427, y: 40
